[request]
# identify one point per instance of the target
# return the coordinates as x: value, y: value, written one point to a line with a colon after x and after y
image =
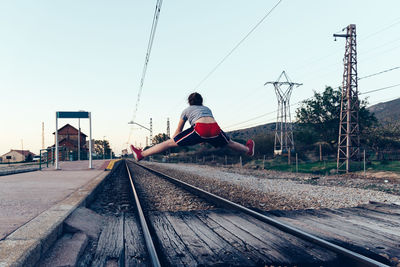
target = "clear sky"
x: 88, y: 55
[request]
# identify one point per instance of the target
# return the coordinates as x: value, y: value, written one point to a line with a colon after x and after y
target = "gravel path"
x: 273, y: 192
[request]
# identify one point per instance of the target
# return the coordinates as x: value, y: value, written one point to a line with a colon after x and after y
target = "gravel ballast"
x: 270, y: 193
x: 158, y: 194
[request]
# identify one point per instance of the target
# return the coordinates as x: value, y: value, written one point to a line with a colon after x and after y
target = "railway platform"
x: 33, y: 206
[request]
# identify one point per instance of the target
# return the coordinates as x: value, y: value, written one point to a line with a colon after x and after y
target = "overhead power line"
x: 149, y: 46
x: 380, y: 89
x: 382, y: 29
x: 147, y: 58
x: 254, y: 124
x: 382, y: 101
x: 377, y: 73
x: 236, y: 46
x: 227, y: 55
x: 251, y: 119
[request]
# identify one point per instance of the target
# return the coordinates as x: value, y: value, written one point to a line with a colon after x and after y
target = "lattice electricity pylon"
x: 284, y: 142
x: 349, y: 130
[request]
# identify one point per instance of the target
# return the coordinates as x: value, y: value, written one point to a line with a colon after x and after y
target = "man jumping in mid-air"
x: 203, y: 128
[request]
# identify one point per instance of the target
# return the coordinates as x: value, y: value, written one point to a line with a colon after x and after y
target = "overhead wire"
x: 385, y: 100
x: 272, y: 120
x: 378, y: 73
x: 397, y: 22
x: 208, y: 75
x: 330, y: 68
x: 236, y: 46
x: 380, y: 89
x: 147, y: 58
x: 251, y: 119
x: 383, y: 29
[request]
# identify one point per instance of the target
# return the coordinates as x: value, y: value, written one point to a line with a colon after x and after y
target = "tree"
x: 101, y: 146
x: 159, y: 138
x: 384, y: 137
x: 29, y: 158
x: 264, y: 144
x: 318, y: 117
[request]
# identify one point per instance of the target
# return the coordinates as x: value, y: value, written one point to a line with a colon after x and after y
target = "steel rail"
x: 155, y: 262
x: 365, y: 261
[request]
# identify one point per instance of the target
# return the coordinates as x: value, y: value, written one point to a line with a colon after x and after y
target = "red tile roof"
x: 70, y: 126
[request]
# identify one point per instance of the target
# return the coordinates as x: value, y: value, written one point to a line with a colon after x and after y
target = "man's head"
x: 195, y: 99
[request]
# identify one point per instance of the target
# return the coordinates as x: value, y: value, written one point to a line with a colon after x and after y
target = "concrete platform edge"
x: 3, y: 173
x: 27, y: 244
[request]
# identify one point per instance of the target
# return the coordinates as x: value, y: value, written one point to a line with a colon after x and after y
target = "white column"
x: 90, y: 141
x: 79, y: 139
x: 56, y: 144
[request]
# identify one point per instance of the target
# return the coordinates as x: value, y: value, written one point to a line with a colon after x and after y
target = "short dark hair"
x: 195, y: 99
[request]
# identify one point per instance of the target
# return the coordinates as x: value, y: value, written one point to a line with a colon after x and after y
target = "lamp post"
x: 144, y: 127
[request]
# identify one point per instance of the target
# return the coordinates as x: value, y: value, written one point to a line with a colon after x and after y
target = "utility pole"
x: 349, y: 131
x: 151, y: 131
x: 284, y: 129
x: 168, y: 129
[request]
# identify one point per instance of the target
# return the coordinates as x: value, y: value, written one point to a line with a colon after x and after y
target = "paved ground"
x: 24, y: 196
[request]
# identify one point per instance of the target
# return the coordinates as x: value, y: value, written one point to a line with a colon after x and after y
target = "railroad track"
x: 154, y: 260
x: 175, y: 238
x: 104, y: 233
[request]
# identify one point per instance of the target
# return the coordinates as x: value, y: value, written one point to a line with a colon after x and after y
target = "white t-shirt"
x: 194, y: 112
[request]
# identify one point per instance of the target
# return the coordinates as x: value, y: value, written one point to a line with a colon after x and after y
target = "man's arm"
x: 179, y: 129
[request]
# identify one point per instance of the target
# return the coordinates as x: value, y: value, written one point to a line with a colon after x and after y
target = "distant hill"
x: 247, y: 133
x: 387, y: 111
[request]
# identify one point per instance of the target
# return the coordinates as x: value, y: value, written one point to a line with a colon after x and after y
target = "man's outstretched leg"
x: 248, y: 148
x: 138, y: 154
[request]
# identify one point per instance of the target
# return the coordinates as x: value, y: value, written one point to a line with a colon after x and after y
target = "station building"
x: 68, y: 143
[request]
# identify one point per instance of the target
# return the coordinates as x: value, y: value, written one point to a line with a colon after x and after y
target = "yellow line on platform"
x: 111, y: 164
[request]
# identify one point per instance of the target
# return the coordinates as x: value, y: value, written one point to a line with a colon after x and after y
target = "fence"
x: 47, y: 156
x: 308, y: 163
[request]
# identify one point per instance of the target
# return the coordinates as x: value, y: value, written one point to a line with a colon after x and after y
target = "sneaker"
x: 250, y: 144
x: 137, y: 153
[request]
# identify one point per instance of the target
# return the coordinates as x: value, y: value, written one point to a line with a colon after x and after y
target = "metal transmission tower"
x: 349, y: 138
x: 168, y: 128
x: 284, y: 142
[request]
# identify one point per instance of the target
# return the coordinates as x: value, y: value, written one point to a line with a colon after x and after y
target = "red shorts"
x: 202, y: 132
